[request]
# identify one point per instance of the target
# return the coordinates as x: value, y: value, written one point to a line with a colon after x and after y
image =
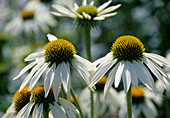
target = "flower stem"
x: 76, y: 103
x: 129, y: 103
x: 45, y: 112
x: 87, y: 40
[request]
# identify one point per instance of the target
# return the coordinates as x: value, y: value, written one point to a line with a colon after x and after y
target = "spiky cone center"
x: 27, y: 15
x: 137, y: 95
x: 59, y: 51
x: 90, y: 10
x: 100, y: 84
x: 38, y: 95
x: 21, y: 98
x: 127, y: 48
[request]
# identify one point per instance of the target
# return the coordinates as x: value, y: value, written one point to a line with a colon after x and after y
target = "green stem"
x: 167, y: 107
x: 45, y: 112
x: 77, y: 103
x: 87, y: 40
x: 129, y: 103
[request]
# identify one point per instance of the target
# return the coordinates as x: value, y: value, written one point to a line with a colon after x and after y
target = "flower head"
x: 129, y: 62
x: 56, y: 59
x: 21, y: 98
x: 86, y: 14
x: 39, y: 104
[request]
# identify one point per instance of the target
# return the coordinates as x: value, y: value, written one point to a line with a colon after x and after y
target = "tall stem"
x: 76, y: 103
x: 129, y: 103
x: 87, y: 39
x: 45, y: 112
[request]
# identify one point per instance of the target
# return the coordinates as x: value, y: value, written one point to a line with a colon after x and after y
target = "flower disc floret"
x: 21, y: 98
x: 127, y: 48
x: 59, y: 51
x: 91, y: 10
x: 137, y: 95
x: 27, y: 15
x: 38, y: 95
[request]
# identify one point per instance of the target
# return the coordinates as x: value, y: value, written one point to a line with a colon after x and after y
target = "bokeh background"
x: 149, y: 20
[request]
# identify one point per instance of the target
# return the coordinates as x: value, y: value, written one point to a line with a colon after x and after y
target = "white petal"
x: 126, y: 77
x: 101, y: 70
x: 84, y: 2
x: 154, y: 71
x: 37, y: 76
x: 91, y: 3
x: 103, y: 6
x: 86, y: 16
x: 108, y: 15
x: 40, y: 110
x: 56, y: 13
x: 56, y: 82
x: 26, y: 68
x: 110, y: 80
x: 109, y: 9
x: 165, y: 61
x: 81, y: 60
x: 68, y: 105
x: 51, y: 37
x: 49, y: 79
x: 65, y: 75
x: 98, y: 18
x: 160, y: 70
x: 118, y: 74
x: 33, y: 56
x: 144, y: 75
x: 75, y: 6
x: 29, y: 76
x: 134, y: 78
x: 57, y: 111
x: 147, y: 112
x: 82, y: 71
x: 34, y: 114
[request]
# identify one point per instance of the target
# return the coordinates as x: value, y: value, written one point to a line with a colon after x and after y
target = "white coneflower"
x: 57, y: 59
x: 101, y: 105
x: 129, y: 62
x: 34, y: 18
x: 40, y: 105
x: 142, y: 103
x: 86, y: 14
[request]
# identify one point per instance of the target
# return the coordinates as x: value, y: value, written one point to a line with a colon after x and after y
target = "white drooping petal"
x: 147, y: 112
x: 110, y: 80
x: 108, y: 15
x: 154, y: 71
x: 101, y: 70
x: 144, y: 75
x: 84, y: 2
x: 25, y: 111
x: 159, y: 58
x: 29, y: 76
x: 118, y: 74
x: 26, y: 68
x: 82, y: 71
x: 57, y: 112
x: 109, y: 9
x: 103, y: 6
x: 34, y: 56
x: 39, y: 111
x: 49, y: 79
x: 37, y: 76
x: 34, y: 114
x: 98, y: 18
x: 56, y: 13
x: 51, y: 37
x: 126, y: 77
x: 64, y: 11
x: 68, y: 105
x: 56, y: 82
x: 65, y: 75
x: 134, y: 78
